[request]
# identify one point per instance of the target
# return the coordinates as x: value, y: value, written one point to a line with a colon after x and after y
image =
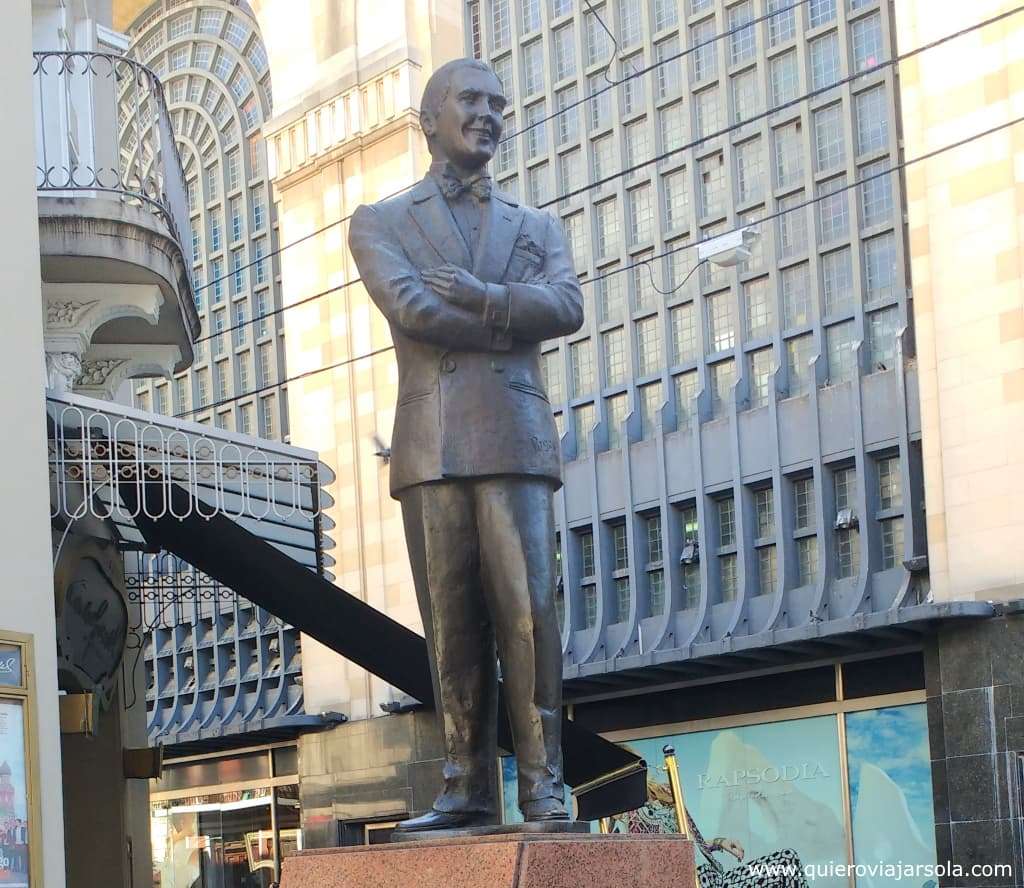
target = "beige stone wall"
x: 966, y: 234
x: 333, y: 150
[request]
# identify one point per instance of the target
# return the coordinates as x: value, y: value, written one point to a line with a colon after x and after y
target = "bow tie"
x: 452, y: 187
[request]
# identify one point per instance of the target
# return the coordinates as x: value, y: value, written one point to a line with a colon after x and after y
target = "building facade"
x: 748, y: 568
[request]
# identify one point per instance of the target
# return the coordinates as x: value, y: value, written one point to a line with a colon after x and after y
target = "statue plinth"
x: 508, y: 860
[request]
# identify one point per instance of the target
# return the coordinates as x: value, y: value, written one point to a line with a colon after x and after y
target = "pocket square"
x: 527, y: 244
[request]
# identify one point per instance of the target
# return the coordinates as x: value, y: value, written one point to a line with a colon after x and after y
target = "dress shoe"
x: 433, y: 820
x: 540, y: 810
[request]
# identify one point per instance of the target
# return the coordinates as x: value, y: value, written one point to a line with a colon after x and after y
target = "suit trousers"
x: 482, y: 554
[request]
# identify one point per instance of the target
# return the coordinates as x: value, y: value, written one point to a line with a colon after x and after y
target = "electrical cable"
x: 526, y: 129
x: 892, y: 169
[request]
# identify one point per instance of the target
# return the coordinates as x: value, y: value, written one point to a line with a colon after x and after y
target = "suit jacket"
x: 471, y: 399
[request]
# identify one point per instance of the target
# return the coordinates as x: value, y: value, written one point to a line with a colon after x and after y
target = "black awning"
x: 608, y: 778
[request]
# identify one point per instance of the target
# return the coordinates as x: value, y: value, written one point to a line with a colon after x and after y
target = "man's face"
x: 468, y: 125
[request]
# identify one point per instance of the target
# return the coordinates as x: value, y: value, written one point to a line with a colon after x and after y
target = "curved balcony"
x: 116, y: 282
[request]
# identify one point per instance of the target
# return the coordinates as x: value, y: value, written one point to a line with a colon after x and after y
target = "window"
x: 237, y: 34
x: 536, y: 130
x: 237, y: 272
x: 708, y: 108
x: 892, y: 542
x: 712, y: 185
x: 681, y: 261
x: 742, y: 42
x: 746, y: 102
x: 847, y: 538
x: 587, y: 572
x: 882, y: 329
x: 551, y: 368
x: 266, y: 356
x: 651, y: 401
x: 837, y: 281
x: 180, y: 393
x: 257, y: 56
x: 767, y: 572
x: 789, y: 156
x: 798, y: 355
x: 633, y: 89
x: 620, y: 571
x: 676, y: 199
x: 501, y: 25
x: 607, y: 228
x: 259, y: 245
x: 604, y: 157
x: 538, y: 183
x: 803, y: 504
x: 749, y: 174
x: 503, y: 71
x: 568, y: 119
x: 241, y: 324
x: 236, y: 219
x: 666, y: 14
x: 636, y: 143
x: 217, y: 280
x: 723, y: 376
x: 581, y: 361
x: 684, y: 333
x: 876, y: 203
x: 807, y: 560
x: 758, y: 308
x: 212, y: 182
x: 831, y: 210
x: 531, y: 15
x: 672, y: 127
x: 691, y: 567
x: 842, y: 359
x: 507, y: 147
x: 583, y: 424
x: 880, y: 267
x: 781, y: 25
x: 564, y: 40
x: 614, y: 357
x: 610, y: 298
x: 764, y: 508
x: 262, y: 327
x: 866, y: 42
x: 792, y: 225
x: 570, y: 171
x: 644, y: 294
x: 761, y: 368
x: 616, y: 410
x: 703, y: 48
x: 597, y: 44
x: 203, y: 380
x: 629, y: 22
x: 726, y: 523
x: 685, y: 385
x: 824, y: 52
x: 599, y: 106
x: 639, y: 214
x: 259, y: 211
x: 828, y: 137
x: 656, y: 591
x: 721, y: 322
x: 648, y: 342
x: 219, y: 380
x: 890, y: 487
x: 785, y: 78
x: 267, y: 423
x: 872, y: 120
x: 668, y: 73
x: 821, y: 12
x: 245, y: 419
x: 533, y: 68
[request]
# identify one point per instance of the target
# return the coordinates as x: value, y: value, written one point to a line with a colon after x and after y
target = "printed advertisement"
x: 14, y: 838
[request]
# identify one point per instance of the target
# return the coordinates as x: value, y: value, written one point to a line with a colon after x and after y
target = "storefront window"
x: 224, y: 840
x: 14, y: 814
x: 890, y: 785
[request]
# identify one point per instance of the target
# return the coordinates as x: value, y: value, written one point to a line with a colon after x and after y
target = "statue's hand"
x: 730, y: 845
x: 458, y: 286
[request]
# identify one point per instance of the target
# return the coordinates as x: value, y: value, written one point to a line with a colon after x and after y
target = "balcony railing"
x: 103, y: 130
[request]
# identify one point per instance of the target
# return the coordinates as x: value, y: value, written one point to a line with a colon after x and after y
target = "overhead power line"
x: 622, y: 173
x: 645, y: 262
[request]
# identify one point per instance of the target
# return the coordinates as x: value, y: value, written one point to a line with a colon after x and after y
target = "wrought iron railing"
x: 103, y: 129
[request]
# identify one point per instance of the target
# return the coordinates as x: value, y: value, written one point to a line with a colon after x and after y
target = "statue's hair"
x: 438, y: 84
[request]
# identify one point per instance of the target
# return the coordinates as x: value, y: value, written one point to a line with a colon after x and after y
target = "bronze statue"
x: 471, y: 283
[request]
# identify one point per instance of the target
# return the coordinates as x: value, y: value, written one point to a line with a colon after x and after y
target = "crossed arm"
x: 449, y: 307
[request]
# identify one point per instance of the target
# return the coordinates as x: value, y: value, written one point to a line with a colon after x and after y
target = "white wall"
x: 26, y: 595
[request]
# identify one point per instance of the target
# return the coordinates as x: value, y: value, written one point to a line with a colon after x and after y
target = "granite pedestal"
x: 511, y: 860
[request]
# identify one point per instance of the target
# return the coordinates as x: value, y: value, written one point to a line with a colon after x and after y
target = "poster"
x: 890, y: 791
x: 770, y: 788
x: 14, y: 838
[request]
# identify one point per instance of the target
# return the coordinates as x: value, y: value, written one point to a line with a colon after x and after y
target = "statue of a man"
x: 471, y: 283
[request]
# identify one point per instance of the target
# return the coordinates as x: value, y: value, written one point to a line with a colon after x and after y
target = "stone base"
x: 516, y: 860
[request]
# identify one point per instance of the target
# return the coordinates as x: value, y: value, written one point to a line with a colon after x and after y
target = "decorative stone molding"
x: 94, y: 374
x: 62, y: 369
x: 68, y: 313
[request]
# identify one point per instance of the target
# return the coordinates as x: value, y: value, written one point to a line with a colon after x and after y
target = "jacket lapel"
x: 503, y: 218
x: 435, y: 222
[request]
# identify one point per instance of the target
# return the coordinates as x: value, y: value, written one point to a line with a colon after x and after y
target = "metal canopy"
x: 103, y: 456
